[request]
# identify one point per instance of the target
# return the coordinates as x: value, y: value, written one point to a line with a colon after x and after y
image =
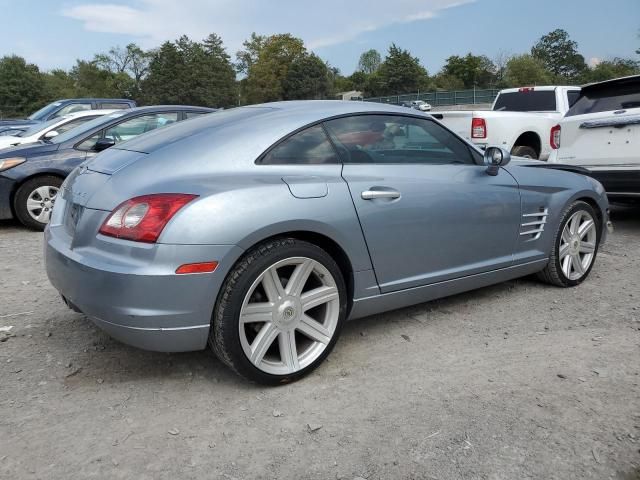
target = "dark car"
x: 31, y: 174
x: 63, y: 107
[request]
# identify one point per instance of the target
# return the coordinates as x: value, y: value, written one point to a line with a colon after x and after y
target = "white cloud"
x: 594, y: 61
x: 319, y: 24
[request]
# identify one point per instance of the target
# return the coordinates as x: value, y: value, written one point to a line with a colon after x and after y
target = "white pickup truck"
x: 520, y: 119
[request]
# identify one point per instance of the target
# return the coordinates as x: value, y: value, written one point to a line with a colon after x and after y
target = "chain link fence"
x: 440, y: 98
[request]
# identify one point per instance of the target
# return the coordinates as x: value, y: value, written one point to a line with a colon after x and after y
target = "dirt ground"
x: 519, y: 380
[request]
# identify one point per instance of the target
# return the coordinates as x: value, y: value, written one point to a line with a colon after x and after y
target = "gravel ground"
x: 519, y: 380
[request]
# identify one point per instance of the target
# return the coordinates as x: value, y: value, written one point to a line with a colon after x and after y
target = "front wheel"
x: 34, y: 201
x: 279, y: 312
x: 575, y: 247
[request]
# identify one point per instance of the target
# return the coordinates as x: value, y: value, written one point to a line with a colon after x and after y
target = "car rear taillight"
x: 142, y: 219
x: 526, y: 89
x: 554, y: 138
x: 478, y: 128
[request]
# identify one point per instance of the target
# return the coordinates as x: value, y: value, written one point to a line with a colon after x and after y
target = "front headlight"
x: 7, y: 163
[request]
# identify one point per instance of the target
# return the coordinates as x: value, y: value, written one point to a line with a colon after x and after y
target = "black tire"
x: 553, y: 273
x: 224, y: 336
x: 524, y: 151
x: 22, y: 195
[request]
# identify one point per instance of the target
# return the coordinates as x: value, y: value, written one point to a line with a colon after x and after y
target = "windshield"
x: 44, y: 111
x: 39, y: 127
x: 607, y: 98
x: 86, y: 127
x: 527, y: 101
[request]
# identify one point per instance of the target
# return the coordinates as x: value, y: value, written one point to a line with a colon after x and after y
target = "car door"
x: 428, y: 211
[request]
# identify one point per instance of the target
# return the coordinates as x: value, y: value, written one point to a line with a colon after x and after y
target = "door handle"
x: 373, y: 194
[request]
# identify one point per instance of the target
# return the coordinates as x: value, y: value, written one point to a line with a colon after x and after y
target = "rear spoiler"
x: 561, y: 166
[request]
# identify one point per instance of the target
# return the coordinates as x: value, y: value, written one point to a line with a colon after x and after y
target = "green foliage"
x: 399, y: 73
x: 191, y: 73
x: 472, y: 70
x: 559, y: 54
x: 279, y: 67
x: 21, y: 87
x: 266, y: 62
x: 618, y: 67
x: 369, y: 62
x: 308, y: 78
x: 522, y: 70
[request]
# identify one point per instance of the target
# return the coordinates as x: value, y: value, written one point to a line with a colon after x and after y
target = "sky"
x: 53, y: 33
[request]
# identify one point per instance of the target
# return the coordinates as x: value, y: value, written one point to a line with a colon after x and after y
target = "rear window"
x: 528, y: 101
x: 608, y: 98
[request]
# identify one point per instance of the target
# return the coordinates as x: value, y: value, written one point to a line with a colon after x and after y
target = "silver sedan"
x: 260, y: 230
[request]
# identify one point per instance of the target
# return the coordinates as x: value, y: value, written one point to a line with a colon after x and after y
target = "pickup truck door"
x: 428, y: 212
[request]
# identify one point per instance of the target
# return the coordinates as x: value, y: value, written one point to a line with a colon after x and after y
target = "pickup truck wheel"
x: 523, y: 151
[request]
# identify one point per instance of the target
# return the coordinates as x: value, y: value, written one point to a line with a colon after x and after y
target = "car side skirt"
x: 390, y: 301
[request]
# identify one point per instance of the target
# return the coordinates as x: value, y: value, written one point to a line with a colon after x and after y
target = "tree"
x: 618, y: 67
x: 444, y: 81
x: 92, y: 81
x: 500, y: 61
x: 369, y: 62
x: 21, y: 87
x: 192, y: 73
x: 59, y: 84
x: 267, y: 62
x: 131, y: 60
x: 307, y: 78
x: 399, y: 73
x: 559, y: 54
x: 526, y: 70
x: 472, y: 70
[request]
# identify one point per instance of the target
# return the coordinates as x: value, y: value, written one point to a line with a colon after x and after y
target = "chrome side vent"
x: 534, y: 224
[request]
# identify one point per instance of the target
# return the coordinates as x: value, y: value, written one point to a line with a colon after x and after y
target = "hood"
x: 28, y: 149
x: 9, y: 140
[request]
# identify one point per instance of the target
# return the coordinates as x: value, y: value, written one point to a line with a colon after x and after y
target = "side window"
x: 310, y: 146
x: 72, y: 124
x: 131, y: 128
x: 396, y: 140
x: 118, y: 106
x: 572, y: 96
x: 137, y: 126
x: 72, y: 107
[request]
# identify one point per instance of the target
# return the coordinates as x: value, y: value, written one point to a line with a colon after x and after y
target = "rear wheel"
x: 524, y: 151
x: 279, y: 312
x: 35, y: 199
x: 575, y: 247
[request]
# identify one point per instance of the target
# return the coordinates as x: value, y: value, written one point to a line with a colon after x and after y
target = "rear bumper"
x: 6, y: 187
x: 142, y: 304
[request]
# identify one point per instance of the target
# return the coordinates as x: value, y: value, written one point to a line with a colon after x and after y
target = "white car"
x: 601, y: 132
x: 519, y: 121
x: 52, y: 128
x: 421, y: 105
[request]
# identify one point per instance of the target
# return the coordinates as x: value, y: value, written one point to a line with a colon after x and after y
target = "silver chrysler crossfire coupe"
x: 260, y: 230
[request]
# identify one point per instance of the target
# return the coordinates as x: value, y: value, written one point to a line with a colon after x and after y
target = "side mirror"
x: 494, y: 158
x: 103, y: 144
x: 50, y: 134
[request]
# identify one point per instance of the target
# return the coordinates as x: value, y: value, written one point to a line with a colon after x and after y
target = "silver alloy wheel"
x: 40, y: 202
x: 578, y: 245
x: 289, y: 315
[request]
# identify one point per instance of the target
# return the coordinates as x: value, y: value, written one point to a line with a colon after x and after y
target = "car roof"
x: 540, y: 88
x: 250, y: 130
x: 88, y: 113
x: 94, y: 99
x: 614, y: 82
